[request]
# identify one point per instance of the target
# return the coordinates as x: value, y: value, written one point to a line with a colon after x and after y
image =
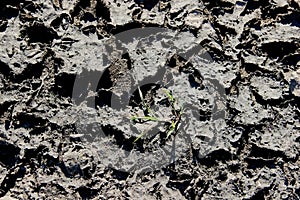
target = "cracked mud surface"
x: 250, y: 152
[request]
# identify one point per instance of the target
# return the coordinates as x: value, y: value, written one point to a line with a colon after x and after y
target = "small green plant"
x: 151, y: 115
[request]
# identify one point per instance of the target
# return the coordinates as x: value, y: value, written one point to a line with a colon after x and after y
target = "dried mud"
x: 249, y: 151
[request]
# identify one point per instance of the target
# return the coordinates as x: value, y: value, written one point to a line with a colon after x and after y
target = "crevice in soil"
x: 102, y: 11
x: 109, y: 79
x: 87, y: 192
x: 10, y: 179
x: 216, y: 156
x: 121, y: 141
x: 8, y: 153
x: 64, y: 83
x: 38, y: 32
x: 82, y: 4
x: 219, y: 7
x: 147, y: 4
x: 282, y: 48
x: 25, y: 120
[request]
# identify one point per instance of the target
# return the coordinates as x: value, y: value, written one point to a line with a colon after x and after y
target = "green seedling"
x: 172, y: 128
x: 151, y: 116
x: 169, y: 94
x: 139, y: 137
x: 145, y: 118
x: 146, y: 106
x: 172, y: 101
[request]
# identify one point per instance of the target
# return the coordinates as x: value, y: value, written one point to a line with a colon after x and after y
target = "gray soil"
x: 69, y: 90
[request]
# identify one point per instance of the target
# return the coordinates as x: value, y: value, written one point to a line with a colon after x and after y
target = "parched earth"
x: 149, y: 99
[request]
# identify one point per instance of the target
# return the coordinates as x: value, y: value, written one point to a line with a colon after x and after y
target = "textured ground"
x: 254, y: 45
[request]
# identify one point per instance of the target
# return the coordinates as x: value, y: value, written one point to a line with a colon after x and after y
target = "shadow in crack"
x: 148, y: 4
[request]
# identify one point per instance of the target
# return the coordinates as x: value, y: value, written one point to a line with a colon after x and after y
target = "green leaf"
x: 172, y: 129
x: 169, y: 94
x: 133, y: 118
x: 170, y: 132
x: 139, y: 137
x: 149, y: 118
x: 141, y: 95
x: 143, y: 101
